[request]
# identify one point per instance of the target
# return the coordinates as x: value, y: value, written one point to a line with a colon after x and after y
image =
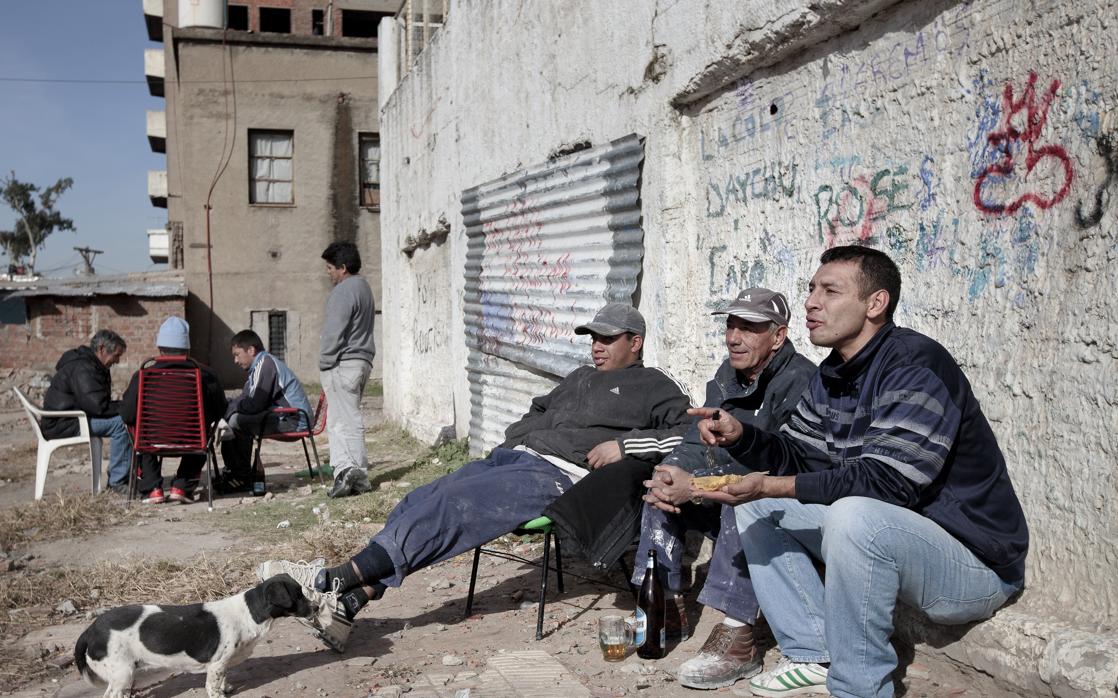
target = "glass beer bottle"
x: 651, y: 614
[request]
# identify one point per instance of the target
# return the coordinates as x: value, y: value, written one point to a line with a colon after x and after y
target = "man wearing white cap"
x: 173, y: 343
x: 760, y: 383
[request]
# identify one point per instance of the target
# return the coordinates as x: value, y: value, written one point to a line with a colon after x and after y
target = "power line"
x: 75, y: 81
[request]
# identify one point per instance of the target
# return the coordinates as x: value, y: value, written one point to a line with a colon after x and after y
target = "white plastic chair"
x: 48, y: 446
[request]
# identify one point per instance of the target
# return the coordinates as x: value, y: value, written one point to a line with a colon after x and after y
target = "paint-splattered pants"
x: 727, y: 587
x: 473, y: 505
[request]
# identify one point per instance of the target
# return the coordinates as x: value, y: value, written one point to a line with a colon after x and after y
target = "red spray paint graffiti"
x: 1011, y: 137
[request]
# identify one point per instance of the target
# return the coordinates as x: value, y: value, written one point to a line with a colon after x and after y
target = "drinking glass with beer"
x: 615, y: 635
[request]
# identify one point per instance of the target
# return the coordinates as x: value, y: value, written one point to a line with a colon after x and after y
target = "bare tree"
x: 35, y: 219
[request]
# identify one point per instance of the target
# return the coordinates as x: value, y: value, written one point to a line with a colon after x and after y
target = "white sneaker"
x: 302, y: 571
x: 789, y: 678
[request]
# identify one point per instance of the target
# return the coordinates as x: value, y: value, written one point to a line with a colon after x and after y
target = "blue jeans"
x: 120, y: 446
x: 482, y: 500
x: 875, y: 553
x: 728, y: 587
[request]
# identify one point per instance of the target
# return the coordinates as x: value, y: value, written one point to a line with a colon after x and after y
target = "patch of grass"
x: 259, y: 520
x: 374, y: 389
x: 388, y: 438
x: 340, y: 528
x: 60, y: 516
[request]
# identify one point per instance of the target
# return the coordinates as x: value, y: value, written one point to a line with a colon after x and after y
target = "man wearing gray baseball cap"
x: 760, y: 382
x: 614, y: 319
x: 615, y: 419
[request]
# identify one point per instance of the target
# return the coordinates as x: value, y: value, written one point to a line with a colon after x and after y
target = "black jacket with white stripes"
x: 766, y: 404
x: 643, y: 409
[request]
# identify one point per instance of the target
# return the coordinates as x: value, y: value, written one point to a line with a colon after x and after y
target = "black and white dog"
x: 212, y: 636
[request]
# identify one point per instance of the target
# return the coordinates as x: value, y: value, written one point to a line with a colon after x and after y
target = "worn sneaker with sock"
x: 331, y: 623
x: 302, y: 572
x: 789, y: 678
x: 154, y: 497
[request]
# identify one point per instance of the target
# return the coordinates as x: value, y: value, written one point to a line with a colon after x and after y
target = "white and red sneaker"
x: 179, y: 495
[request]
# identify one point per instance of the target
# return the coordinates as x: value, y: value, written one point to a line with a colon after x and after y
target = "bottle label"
x: 640, y: 628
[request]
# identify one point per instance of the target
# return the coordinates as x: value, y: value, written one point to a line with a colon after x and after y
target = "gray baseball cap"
x: 758, y: 305
x: 614, y: 319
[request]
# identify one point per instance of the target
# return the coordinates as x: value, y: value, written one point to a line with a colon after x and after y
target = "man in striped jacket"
x: 599, y: 417
x: 888, y: 473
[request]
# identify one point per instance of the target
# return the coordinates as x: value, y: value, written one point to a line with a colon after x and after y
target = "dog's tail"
x: 80, y: 661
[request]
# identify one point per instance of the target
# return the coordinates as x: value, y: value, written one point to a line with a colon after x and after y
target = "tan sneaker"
x: 333, y: 624
x: 728, y: 656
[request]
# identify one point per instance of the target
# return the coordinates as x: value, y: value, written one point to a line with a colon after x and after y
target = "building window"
x: 271, y: 167
x: 318, y: 27
x: 236, y: 18
x: 276, y: 20
x: 277, y: 334
x: 362, y: 23
x: 369, y: 149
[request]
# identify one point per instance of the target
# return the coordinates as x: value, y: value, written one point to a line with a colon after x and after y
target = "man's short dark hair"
x: 108, y: 340
x: 245, y: 339
x: 878, y: 271
x: 343, y: 254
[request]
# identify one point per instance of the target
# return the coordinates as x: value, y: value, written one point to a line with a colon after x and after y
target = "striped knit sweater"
x: 900, y: 423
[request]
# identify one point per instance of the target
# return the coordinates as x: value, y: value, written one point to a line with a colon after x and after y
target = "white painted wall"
x: 883, y: 118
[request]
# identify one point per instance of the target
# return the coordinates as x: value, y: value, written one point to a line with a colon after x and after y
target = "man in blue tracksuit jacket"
x: 889, y: 473
x: 270, y: 384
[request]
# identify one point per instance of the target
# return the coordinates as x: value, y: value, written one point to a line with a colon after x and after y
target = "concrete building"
x: 674, y: 152
x: 271, y: 136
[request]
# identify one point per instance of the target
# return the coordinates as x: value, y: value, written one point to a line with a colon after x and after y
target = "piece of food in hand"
x: 713, y: 483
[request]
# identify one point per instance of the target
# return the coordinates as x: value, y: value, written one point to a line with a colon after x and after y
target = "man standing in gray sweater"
x: 344, y: 364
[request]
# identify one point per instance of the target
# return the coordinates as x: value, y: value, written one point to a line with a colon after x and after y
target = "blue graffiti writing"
x: 770, y: 181
x: 767, y: 119
x: 948, y: 35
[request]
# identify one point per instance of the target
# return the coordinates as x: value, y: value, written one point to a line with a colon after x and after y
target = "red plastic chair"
x: 170, y: 419
x: 317, y: 426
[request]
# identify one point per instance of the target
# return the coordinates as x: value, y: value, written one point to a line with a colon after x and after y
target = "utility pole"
x: 88, y: 255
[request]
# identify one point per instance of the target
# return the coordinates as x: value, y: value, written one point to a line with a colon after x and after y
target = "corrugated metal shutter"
x: 546, y: 247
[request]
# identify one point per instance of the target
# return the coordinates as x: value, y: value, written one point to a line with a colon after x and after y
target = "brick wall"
x: 57, y: 323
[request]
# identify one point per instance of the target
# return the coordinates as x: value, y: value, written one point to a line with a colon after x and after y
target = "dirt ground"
x: 415, y: 640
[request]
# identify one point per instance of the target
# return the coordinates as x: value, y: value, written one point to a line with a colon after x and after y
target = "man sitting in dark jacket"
x: 173, y: 340
x: 759, y: 383
x: 82, y: 382
x: 601, y: 416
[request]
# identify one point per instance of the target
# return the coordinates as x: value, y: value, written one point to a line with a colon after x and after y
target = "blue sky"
x: 95, y: 133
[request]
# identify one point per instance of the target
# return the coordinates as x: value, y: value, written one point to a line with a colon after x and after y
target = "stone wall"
x: 975, y: 142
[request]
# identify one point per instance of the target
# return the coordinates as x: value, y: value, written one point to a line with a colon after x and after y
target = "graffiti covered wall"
x: 983, y: 161
x: 975, y: 142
